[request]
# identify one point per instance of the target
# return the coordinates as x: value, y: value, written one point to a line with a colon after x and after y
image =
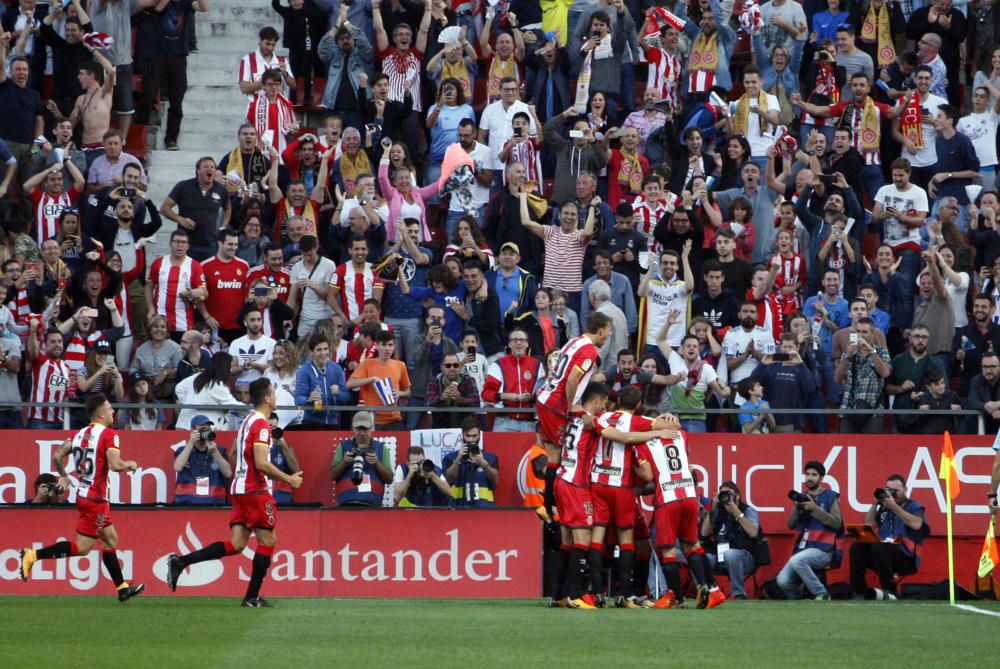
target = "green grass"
x: 187, y: 632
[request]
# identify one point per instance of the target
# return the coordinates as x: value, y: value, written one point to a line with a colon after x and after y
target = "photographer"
x: 361, y: 466
x: 201, y: 466
x: 472, y: 472
x: 282, y: 456
x: 47, y: 491
x: 902, y: 528
x: 816, y: 517
x: 419, y: 482
x: 735, y: 528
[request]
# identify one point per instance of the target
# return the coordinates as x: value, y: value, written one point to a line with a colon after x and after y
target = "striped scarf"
x: 351, y: 168
x: 876, y: 29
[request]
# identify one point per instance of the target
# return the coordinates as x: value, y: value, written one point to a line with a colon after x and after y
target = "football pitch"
x: 192, y: 632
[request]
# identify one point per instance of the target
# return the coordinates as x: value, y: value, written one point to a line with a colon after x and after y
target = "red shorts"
x: 576, y: 510
x: 94, y: 517
x: 550, y: 425
x: 676, y: 520
x: 613, y: 506
x: 254, y: 511
x: 641, y: 530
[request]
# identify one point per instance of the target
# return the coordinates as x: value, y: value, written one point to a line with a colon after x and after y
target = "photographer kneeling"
x: 816, y: 517
x: 201, y: 466
x: 419, y: 482
x: 360, y: 466
x: 735, y: 527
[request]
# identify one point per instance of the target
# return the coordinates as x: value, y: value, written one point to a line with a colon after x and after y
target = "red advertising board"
x: 764, y: 466
x: 320, y: 553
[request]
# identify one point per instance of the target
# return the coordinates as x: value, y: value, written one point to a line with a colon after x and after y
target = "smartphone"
x: 128, y: 192
x: 471, y: 350
x: 31, y: 267
x: 575, y: 134
x: 260, y: 291
x: 854, y: 338
x: 518, y: 132
x: 781, y: 357
x: 371, y: 127
x: 386, y: 142
x: 827, y: 178
x: 90, y: 313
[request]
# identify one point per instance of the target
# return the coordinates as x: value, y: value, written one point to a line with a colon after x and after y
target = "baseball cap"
x: 512, y: 246
x: 137, y: 376
x: 624, y: 209
x: 363, y: 419
x: 201, y: 419
x: 102, y: 346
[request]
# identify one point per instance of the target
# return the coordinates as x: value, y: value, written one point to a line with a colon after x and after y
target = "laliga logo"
x: 195, y: 575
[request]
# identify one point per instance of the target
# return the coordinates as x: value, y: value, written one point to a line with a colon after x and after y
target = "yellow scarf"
x: 499, y: 69
x: 869, y: 127
x: 350, y: 169
x: 704, y: 53
x: 630, y: 171
x: 741, y: 120
x: 875, y: 28
x: 458, y: 71
x: 258, y: 168
x: 910, y: 121
x: 308, y: 214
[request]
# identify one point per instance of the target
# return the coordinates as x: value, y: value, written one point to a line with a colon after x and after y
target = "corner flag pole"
x: 951, y: 547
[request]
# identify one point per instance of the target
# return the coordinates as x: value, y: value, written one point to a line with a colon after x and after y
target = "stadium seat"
x: 138, y: 141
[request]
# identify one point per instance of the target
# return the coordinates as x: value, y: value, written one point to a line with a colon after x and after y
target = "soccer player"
x: 561, y: 393
x: 96, y: 450
x: 572, y: 491
x: 254, y: 508
x: 675, y: 516
x: 612, y: 483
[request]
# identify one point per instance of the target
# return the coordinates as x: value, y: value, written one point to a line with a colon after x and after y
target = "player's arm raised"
x: 262, y: 461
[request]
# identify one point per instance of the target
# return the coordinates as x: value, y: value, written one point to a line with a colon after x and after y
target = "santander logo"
x: 195, y: 575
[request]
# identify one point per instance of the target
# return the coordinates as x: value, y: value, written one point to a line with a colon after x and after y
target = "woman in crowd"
x: 405, y: 200
x: 730, y: 161
x: 157, y: 358
x: 148, y: 418
x: 562, y: 310
x: 284, y: 363
x: 469, y: 243
x: 442, y: 120
x: 546, y: 329
x: 210, y: 387
x: 253, y: 243
x: 100, y: 374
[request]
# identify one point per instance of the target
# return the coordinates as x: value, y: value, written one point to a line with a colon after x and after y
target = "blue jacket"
x: 789, y: 76
x: 727, y: 39
x: 358, y: 62
x: 621, y: 295
x: 310, y: 377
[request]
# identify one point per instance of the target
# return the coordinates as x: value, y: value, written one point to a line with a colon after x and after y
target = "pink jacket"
x: 395, y: 200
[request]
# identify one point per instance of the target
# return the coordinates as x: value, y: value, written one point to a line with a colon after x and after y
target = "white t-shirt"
x: 662, y: 298
x: 910, y: 201
x: 927, y: 154
x: 735, y: 343
x: 247, y: 350
x: 497, y: 121
x: 313, y: 307
x: 760, y: 143
x: 957, y: 295
x: 480, y: 193
x: 772, y: 35
x: 982, y: 130
x: 352, y: 202
x: 678, y: 366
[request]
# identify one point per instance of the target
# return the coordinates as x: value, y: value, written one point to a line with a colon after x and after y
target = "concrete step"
x: 246, y: 29
x: 223, y: 44
x: 229, y: 106
x: 228, y: 12
x: 215, y: 74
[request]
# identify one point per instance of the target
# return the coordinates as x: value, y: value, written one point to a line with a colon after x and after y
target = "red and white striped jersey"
x: 254, y: 65
x: 671, y: 470
x: 50, y: 384
x: 648, y: 214
x: 578, y: 447
x: 578, y: 353
x: 403, y: 71
x: 90, y: 460
x: 354, y: 287
x: 75, y: 353
x: 613, y: 460
x: 665, y: 74
x: 527, y: 154
x: 47, y: 209
x: 227, y: 289
x: 700, y: 81
x: 793, y: 271
x: 280, y: 280
x: 169, y: 281
x: 247, y: 480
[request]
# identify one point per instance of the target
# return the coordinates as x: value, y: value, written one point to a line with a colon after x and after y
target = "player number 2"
x: 84, y: 463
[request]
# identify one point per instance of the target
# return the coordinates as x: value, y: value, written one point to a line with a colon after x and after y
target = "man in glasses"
x: 511, y: 381
x: 451, y: 388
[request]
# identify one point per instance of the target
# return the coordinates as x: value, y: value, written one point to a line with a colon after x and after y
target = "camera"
x: 725, y: 497
x: 128, y: 192
x: 882, y: 493
x: 595, y: 33
x: 798, y: 497
x: 206, y: 434
x: 427, y: 466
x: 261, y: 291
x: 473, y: 449
x: 56, y: 489
x: 358, y: 468
x: 277, y: 432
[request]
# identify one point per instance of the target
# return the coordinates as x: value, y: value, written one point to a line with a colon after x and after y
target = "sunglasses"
x: 451, y: 366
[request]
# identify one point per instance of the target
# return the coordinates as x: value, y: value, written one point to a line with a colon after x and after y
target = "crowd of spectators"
x: 798, y: 213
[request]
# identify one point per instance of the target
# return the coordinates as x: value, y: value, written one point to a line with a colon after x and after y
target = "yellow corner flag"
x: 991, y: 555
x: 948, y: 472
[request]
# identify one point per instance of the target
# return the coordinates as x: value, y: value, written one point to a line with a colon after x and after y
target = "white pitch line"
x: 966, y: 607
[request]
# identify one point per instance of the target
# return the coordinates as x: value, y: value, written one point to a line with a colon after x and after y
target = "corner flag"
x: 991, y: 555
x: 948, y: 472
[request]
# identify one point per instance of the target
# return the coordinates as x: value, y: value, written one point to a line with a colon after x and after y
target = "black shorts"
x: 122, y: 99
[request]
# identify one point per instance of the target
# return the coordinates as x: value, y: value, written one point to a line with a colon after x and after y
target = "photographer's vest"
x: 472, y: 487
x: 421, y: 495
x: 814, y: 534
x: 892, y: 527
x: 200, y: 482
x: 370, y: 492
x: 729, y: 530
x: 534, y: 486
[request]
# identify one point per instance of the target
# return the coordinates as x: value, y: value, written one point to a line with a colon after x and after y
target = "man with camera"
x: 451, y: 388
x: 47, y: 491
x: 816, y: 518
x: 201, y: 465
x: 902, y: 528
x: 472, y: 472
x: 283, y: 457
x: 735, y: 527
x: 419, y: 482
x: 361, y: 466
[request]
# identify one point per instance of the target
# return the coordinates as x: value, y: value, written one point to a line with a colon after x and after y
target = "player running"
x: 675, y: 516
x: 95, y: 450
x: 559, y: 398
x: 253, y: 506
x: 612, y: 488
x: 572, y: 490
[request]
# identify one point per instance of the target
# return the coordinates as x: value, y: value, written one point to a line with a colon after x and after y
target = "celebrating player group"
x: 597, y: 460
